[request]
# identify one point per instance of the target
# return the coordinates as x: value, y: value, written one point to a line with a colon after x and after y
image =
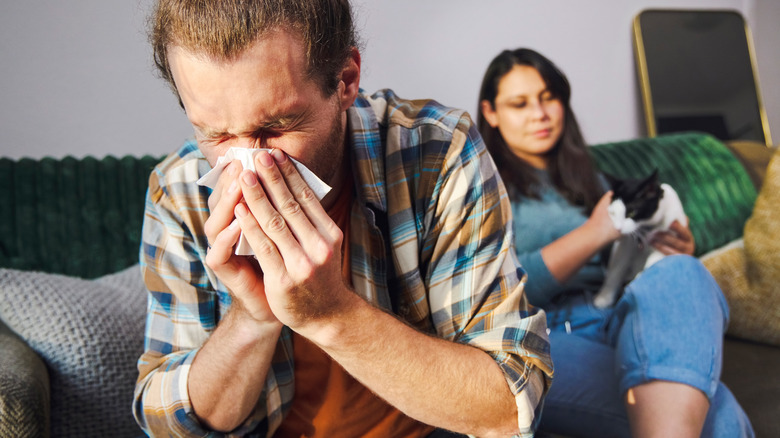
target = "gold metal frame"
x: 641, y: 63
x: 644, y: 80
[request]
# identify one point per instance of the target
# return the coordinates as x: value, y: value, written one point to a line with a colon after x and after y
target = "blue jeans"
x: 668, y: 325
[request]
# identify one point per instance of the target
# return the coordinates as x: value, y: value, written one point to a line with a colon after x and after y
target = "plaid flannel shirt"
x: 430, y: 240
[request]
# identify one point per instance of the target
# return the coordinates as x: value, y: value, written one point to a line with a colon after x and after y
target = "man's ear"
x: 489, y: 113
x: 349, y: 86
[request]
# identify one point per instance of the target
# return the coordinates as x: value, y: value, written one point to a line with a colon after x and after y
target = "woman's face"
x: 528, y: 116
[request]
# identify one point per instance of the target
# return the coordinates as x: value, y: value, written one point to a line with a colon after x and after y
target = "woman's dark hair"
x: 570, y: 167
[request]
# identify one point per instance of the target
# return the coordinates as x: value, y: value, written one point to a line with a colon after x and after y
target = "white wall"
x: 76, y: 78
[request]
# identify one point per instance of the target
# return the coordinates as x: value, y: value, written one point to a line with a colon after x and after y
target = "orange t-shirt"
x: 328, y: 402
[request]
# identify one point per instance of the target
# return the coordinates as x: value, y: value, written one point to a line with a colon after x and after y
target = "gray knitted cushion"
x: 89, y: 333
x: 24, y: 389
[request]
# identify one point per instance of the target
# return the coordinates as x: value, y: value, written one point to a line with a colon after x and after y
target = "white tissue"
x: 246, y: 157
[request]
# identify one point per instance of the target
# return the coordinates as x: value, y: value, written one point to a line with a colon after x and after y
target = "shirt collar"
x: 363, y: 124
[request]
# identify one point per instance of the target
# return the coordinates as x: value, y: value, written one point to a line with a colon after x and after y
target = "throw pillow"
x: 749, y: 274
x: 89, y: 334
x: 24, y: 389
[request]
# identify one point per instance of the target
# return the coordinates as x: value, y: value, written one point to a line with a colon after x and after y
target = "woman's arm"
x: 565, y: 256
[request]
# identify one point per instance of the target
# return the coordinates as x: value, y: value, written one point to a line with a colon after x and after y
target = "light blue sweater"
x: 538, y: 222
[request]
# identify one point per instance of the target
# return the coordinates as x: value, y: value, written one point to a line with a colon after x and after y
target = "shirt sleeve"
x: 183, y: 309
x: 476, y: 285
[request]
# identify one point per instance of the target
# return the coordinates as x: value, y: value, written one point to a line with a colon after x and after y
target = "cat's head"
x: 633, y: 200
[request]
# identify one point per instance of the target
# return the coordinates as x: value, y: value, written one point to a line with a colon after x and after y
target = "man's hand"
x: 296, y: 243
x: 677, y: 240
x: 240, y: 274
x: 246, y: 338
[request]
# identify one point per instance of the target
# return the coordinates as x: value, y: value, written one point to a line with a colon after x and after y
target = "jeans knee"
x: 681, y: 281
x: 681, y: 262
x: 699, y: 284
x: 682, y: 272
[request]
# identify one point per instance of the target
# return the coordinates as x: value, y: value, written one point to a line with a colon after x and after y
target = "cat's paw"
x: 603, y: 300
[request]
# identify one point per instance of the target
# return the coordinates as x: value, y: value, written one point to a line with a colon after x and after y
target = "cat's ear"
x: 654, y: 176
x: 653, y: 187
x: 651, y: 179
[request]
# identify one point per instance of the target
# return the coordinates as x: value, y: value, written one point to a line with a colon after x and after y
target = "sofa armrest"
x: 24, y: 388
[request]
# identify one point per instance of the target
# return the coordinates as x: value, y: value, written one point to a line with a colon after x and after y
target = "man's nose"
x: 251, y: 142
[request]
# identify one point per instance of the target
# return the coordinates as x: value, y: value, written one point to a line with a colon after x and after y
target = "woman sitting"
x: 650, y: 365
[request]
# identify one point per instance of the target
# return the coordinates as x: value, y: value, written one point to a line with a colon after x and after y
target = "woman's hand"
x: 677, y: 240
x: 600, y: 224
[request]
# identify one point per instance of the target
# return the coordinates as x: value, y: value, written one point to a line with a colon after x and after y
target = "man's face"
x: 262, y: 99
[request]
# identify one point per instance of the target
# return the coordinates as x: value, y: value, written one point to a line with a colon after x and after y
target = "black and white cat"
x: 639, y: 208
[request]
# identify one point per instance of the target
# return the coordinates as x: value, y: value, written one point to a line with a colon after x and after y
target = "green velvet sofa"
x: 73, y: 303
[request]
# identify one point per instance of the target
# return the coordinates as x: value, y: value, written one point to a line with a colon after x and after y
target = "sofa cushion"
x: 89, y: 334
x: 749, y: 273
x: 24, y: 398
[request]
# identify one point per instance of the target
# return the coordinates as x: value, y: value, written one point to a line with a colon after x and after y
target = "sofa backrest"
x: 80, y: 217
x: 715, y: 189
x: 83, y: 217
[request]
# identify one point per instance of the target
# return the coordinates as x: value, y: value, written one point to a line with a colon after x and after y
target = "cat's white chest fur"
x: 632, y: 253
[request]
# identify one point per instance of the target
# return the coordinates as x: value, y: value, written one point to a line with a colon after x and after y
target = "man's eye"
x: 270, y: 133
x: 267, y: 132
x: 214, y: 141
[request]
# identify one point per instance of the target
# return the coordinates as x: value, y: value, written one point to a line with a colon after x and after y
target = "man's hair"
x: 223, y: 29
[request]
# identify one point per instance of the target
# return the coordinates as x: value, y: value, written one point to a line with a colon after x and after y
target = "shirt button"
x: 404, y: 309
